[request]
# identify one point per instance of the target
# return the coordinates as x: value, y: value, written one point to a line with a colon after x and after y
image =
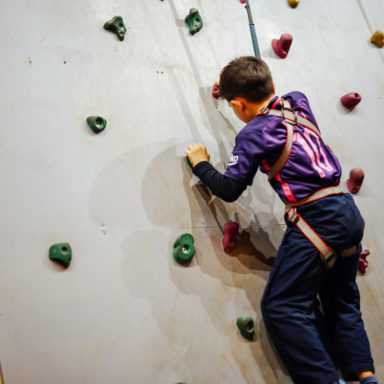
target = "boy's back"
x: 310, y: 166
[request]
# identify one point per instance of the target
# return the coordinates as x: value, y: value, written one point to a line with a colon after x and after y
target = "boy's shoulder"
x: 262, y: 125
x: 296, y: 97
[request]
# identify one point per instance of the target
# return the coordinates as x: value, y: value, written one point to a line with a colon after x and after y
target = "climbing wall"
x: 124, y: 311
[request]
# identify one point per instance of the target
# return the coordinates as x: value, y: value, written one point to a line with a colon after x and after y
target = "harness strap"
x: 334, y: 190
x: 328, y: 256
x: 290, y: 118
x: 288, y: 144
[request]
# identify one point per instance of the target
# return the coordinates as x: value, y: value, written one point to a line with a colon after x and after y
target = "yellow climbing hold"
x: 293, y: 3
x: 378, y: 38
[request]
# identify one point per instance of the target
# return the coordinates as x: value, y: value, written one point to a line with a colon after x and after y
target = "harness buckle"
x: 330, y: 260
x: 286, y: 119
x: 292, y: 215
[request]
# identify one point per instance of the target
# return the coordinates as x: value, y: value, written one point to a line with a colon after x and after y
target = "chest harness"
x: 291, y: 118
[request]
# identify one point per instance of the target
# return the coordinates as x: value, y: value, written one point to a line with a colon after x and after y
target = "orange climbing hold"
x: 293, y: 3
x: 378, y: 39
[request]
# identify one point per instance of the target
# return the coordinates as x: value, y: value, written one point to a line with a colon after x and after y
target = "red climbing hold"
x: 283, y: 45
x: 363, y: 262
x: 231, y: 230
x: 350, y: 100
x: 355, y: 181
x: 215, y: 91
x: 242, y: 1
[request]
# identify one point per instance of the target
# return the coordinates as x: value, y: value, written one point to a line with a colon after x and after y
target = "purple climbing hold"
x: 216, y: 91
x: 350, y: 100
x: 231, y: 230
x: 283, y: 45
x: 363, y: 262
x: 355, y: 181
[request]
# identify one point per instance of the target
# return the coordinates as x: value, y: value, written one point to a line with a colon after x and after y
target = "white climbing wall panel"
x: 124, y: 312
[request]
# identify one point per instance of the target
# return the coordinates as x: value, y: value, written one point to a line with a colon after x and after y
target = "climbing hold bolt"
x: 350, y: 100
x: 283, y: 45
x: 378, y: 39
x: 216, y: 91
x: 194, y: 21
x: 96, y: 123
x: 355, y: 181
x: 184, y: 249
x: 363, y: 262
x: 293, y: 3
x: 246, y: 327
x: 231, y: 230
x: 116, y: 25
x: 61, y: 253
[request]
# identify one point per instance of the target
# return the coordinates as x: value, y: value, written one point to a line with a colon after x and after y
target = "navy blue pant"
x: 299, y: 278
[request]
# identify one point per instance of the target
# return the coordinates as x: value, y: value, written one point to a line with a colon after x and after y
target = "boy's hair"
x: 248, y: 77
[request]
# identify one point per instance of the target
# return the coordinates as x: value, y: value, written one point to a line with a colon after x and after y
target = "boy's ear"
x: 237, y: 103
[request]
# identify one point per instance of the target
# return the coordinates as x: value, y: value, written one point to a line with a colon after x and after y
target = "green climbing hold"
x: 194, y: 21
x: 188, y: 162
x: 96, y: 123
x: 246, y: 327
x: 61, y: 253
x: 116, y: 25
x: 184, y: 249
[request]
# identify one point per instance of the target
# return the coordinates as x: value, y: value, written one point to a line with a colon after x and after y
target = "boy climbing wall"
x: 319, y: 253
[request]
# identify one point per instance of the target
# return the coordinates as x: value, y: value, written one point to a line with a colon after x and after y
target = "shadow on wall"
x: 133, y: 183
x: 170, y: 202
x: 152, y: 179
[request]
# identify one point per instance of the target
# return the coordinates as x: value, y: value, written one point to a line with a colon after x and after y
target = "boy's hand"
x: 197, y: 153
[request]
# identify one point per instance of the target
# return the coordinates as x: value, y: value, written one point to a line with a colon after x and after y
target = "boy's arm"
x: 222, y: 186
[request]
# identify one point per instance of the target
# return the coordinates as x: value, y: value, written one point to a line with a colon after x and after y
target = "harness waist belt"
x: 328, y: 255
x: 324, y: 192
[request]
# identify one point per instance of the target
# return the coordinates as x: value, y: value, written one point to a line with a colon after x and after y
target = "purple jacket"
x: 311, y: 164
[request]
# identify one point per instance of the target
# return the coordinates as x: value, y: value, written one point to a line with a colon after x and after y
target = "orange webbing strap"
x: 324, y: 192
x: 284, y: 155
x: 288, y: 144
x: 288, y: 114
x: 290, y: 118
x: 328, y: 256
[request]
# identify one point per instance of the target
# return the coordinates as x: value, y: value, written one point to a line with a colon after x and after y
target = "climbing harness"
x: 291, y: 119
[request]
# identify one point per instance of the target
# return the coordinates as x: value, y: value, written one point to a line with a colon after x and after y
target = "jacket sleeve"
x: 246, y: 158
x: 222, y: 186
